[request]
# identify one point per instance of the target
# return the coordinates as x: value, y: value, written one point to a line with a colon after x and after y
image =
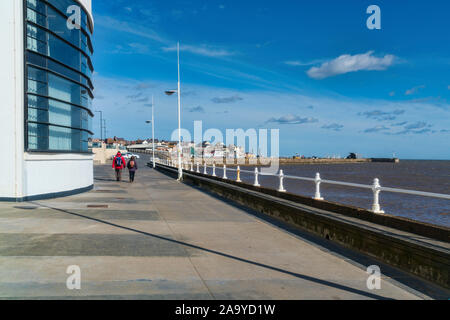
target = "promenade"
x: 161, y: 239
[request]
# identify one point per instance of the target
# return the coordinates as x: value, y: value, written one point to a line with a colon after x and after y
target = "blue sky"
x: 311, y: 69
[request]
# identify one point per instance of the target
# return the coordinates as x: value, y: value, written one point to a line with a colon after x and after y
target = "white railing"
x: 375, y: 186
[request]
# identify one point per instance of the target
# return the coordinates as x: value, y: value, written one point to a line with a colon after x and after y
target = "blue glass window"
x: 58, y: 78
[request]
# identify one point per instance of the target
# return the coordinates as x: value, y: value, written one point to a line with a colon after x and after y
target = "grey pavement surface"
x: 161, y: 239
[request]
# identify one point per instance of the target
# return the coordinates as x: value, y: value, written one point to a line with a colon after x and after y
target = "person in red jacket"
x: 119, y: 164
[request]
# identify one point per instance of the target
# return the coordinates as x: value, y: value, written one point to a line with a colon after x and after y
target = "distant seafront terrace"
x: 59, y: 90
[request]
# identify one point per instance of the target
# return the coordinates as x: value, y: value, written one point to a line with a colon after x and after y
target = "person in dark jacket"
x: 132, y: 167
x: 118, y: 164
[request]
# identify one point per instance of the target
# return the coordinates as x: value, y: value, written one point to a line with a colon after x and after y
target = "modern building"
x: 46, y: 95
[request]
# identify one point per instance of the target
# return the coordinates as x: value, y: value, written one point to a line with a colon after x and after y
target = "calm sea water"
x: 421, y: 175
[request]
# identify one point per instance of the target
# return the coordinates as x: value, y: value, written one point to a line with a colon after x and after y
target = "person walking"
x: 118, y: 164
x: 132, y: 167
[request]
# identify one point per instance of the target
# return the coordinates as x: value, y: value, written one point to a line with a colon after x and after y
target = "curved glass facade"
x: 58, y: 78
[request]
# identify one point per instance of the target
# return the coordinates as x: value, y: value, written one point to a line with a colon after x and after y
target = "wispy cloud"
x: 130, y: 28
x: 231, y: 99
x: 292, y: 119
x: 135, y: 96
x: 348, y: 63
x: 298, y: 63
x: 203, y: 50
x: 198, y: 109
x: 382, y: 115
x: 414, y: 90
x: 333, y: 126
x: 417, y: 125
x: 143, y: 86
x: 376, y: 129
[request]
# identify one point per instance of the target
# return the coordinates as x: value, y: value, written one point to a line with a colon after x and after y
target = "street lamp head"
x: 170, y: 92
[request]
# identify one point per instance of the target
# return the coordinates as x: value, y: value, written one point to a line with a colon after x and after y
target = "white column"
x: 281, y: 187
x: 317, y: 180
x: 256, y: 184
x: 224, y: 172
x: 376, y: 188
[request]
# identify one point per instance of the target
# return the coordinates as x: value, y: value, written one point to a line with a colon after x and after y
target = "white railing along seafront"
x: 375, y: 187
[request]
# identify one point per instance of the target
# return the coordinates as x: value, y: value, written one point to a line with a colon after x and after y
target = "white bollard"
x: 198, y: 167
x: 204, y: 168
x: 224, y: 172
x: 376, y: 188
x: 317, y: 180
x: 256, y: 184
x: 214, y: 169
x: 281, y: 188
x: 192, y: 165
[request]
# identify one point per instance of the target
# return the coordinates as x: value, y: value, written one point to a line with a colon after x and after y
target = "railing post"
x: 192, y: 165
x: 317, y: 180
x: 256, y: 184
x: 204, y: 168
x: 224, y: 172
x: 238, y: 177
x: 198, y: 167
x: 214, y: 169
x: 281, y: 188
x: 376, y: 188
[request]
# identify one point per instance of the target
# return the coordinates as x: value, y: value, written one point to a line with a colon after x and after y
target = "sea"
x: 421, y: 175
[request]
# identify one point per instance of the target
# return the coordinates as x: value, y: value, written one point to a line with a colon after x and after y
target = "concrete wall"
x: 103, y: 155
x: 12, y: 96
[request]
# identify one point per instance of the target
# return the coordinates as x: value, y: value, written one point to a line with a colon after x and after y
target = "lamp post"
x: 104, y: 126
x: 153, y: 132
x: 101, y: 124
x: 169, y: 93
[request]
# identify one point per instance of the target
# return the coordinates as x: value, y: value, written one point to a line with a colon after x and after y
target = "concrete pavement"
x: 160, y: 239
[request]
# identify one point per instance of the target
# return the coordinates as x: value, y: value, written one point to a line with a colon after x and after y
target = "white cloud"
x: 203, y: 50
x: 413, y: 90
x: 123, y: 26
x: 297, y: 63
x: 292, y: 119
x: 348, y: 63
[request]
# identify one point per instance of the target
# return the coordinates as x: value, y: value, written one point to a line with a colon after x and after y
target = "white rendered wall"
x: 11, y: 103
x: 53, y: 173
